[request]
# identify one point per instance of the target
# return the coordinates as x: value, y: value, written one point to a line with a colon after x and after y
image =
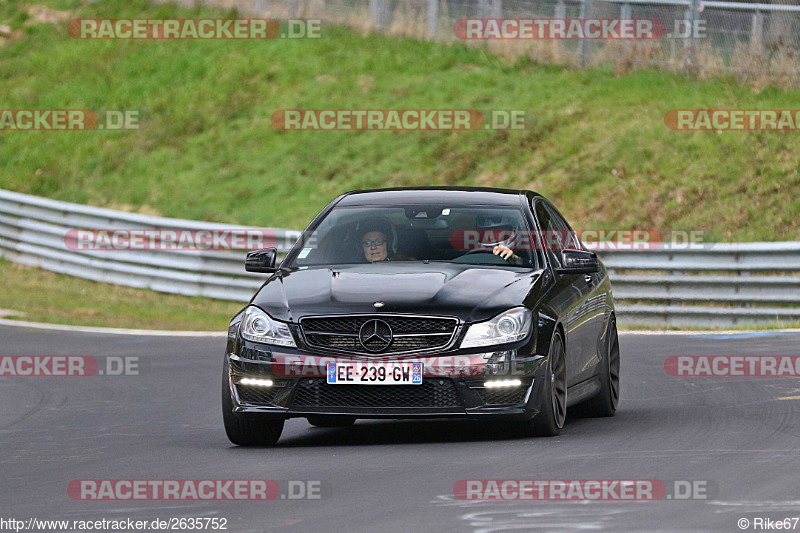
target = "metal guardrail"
x: 725, y: 285
x: 33, y: 230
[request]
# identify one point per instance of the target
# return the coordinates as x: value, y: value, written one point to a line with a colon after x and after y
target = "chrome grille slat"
x: 411, y: 334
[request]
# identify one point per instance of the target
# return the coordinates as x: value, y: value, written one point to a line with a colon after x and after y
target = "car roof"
x: 437, y: 195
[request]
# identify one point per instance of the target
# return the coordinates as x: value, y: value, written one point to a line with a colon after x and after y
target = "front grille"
x: 409, y: 334
x: 315, y: 392
x: 502, y: 396
x: 352, y: 344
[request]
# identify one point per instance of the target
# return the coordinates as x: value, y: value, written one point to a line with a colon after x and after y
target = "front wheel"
x: 247, y: 430
x: 551, y: 395
x: 605, y: 403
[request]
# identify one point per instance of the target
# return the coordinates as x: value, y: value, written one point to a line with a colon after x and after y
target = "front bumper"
x: 304, y: 392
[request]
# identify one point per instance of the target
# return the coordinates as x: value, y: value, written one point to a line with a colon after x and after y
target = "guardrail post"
x: 625, y: 11
x: 741, y: 274
x: 433, y: 18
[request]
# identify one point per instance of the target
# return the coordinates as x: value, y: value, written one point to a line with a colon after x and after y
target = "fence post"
x: 433, y: 18
x: 379, y: 13
x: 583, y: 49
x: 294, y: 8
x: 757, y: 29
x: 385, y: 15
x: 373, y: 13
x: 690, y: 44
x: 482, y: 9
x: 625, y: 11
x: 497, y: 9
x: 560, y: 13
x: 561, y: 10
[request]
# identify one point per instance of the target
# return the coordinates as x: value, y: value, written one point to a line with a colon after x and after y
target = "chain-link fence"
x: 757, y: 42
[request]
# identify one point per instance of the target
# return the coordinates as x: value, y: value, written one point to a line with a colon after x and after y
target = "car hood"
x: 471, y: 293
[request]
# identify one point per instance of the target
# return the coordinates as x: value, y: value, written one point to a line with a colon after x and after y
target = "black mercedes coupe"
x: 432, y: 302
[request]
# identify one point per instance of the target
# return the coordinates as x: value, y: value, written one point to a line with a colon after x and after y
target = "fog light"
x: 256, y: 382
x: 502, y: 383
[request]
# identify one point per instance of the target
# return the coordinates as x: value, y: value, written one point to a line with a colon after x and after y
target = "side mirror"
x: 578, y: 262
x: 261, y: 260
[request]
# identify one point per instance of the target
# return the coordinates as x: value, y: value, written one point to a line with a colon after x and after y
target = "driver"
x: 374, y: 245
x: 377, y: 241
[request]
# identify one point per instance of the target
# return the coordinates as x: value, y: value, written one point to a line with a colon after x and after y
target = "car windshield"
x: 456, y: 234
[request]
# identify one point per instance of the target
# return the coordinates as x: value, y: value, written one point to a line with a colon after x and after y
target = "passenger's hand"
x: 503, y: 251
x: 507, y: 253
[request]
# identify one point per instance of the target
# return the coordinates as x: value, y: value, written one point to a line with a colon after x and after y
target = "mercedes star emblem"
x: 375, y: 335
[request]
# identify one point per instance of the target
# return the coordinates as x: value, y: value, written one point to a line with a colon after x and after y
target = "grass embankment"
x: 598, y: 148
x: 36, y: 295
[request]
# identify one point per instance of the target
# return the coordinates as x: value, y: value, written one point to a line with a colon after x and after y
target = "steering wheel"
x: 495, y: 259
x: 479, y: 251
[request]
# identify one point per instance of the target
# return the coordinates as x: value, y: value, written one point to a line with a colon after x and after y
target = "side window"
x: 567, y: 237
x: 546, y: 239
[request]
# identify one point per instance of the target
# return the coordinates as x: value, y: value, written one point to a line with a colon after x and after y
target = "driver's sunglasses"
x: 377, y: 242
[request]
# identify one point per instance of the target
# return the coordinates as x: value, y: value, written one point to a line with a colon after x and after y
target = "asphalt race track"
x: 735, y: 434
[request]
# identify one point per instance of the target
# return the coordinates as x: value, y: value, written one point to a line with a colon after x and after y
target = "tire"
x: 331, y: 421
x: 606, y: 401
x: 551, y: 396
x: 247, y: 430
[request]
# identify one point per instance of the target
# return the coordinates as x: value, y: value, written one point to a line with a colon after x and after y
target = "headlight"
x: 257, y: 326
x: 510, y: 326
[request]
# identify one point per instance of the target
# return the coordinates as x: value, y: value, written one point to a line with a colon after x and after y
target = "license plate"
x: 374, y: 373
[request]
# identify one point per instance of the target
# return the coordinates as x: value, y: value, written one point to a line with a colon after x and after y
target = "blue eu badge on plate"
x: 416, y: 373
